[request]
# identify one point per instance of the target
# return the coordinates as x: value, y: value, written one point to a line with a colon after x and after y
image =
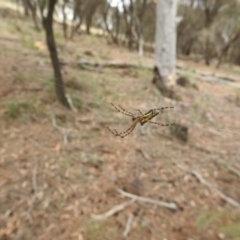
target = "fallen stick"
x: 35, y: 189
x: 209, y: 77
x: 172, y: 206
x: 229, y: 167
x: 71, y: 103
x: 128, y: 225
x: 211, y: 130
x: 113, y: 64
x: 62, y: 130
x: 208, y: 184
x: 112, y: 211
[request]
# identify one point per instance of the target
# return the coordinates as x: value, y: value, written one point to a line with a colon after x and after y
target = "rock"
x: 180, y: 131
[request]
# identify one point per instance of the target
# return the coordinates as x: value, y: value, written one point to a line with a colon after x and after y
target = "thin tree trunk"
x: 47, y: 24
x: 64, y: 19
x: 118, y: 19
x: 32, y: 6
x: 227, y: 46
x: 128, y: 17
x: 77, y: 15
x: 139, y: 21
x: 90, y: 11
x: 207, y: 51
x: 25, y: 5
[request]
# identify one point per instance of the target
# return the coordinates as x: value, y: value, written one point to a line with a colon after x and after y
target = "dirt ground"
x: 59, y: 167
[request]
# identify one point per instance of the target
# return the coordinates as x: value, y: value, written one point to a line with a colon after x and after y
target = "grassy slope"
x: 78, y: 179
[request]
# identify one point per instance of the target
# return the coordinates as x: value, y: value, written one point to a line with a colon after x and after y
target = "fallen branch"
x: 110, y: 64
x: 215, y: 77
x: 172, y: 206
x: 35, y: 189
x: 144, y: 154
x: 62, y: 130
x: 208, y: 129
x: 229, y: 167
x: 209, y: 77
x: 128, y: 225
x: 208, y: 184
x: 71, y: 103
x: 112, y: 211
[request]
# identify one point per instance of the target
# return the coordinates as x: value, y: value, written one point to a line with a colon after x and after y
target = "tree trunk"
x: 89, y: 13
x: 227, y: 46
x: 33, y: 7
x: 207, y: 51
x: 25, y: 5
x: 165, y: 44
x: 65, y: 26
x: 128, y: 17
x: 139, y: 21
x: 77, y: 16
x: 47, y: 24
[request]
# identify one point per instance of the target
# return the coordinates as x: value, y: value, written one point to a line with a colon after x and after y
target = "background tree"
x: 111, y: 20
x: 31, y: 6
x: 207, y: 30
x: 165, y: 45
x: 47, y: 22
x: 90, y: 9
x: 78, y: 15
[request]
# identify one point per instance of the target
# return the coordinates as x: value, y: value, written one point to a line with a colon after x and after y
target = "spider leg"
x: 164, y: 125
x: 128, y: 131
x: 114, y: 133
x: 160, y: 109
x: 139, y: 111
x: 123, y: 111
x: 123, y: 134
x: 131, y: 114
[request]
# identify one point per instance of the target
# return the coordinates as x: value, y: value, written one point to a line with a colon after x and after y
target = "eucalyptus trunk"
x: 165, y: 43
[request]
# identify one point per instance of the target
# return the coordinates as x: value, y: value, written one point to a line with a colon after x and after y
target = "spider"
x: 142, y: 118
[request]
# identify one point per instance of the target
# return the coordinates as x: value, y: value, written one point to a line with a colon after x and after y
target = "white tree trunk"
x: 165, y: 41
x: 140, y: 45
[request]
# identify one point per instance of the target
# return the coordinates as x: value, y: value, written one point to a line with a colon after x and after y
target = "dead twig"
x: 208, y: 129
x: 35, y: 189
x: 128, y: 225
x: 172, y: 205
x: 144, y: 154
x: 71, y: 103
x: 112, y: 211
x: 208, y: 184
x: 229, y: 167
x: 62, y: 130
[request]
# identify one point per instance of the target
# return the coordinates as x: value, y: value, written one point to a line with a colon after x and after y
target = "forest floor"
x: 54, y: 177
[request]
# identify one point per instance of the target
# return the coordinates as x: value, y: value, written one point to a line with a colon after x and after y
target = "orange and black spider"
x: 142, y: 118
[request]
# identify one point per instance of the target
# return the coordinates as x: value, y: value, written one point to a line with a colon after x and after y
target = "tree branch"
x: 35, y: 189
x: 208, y: 184
x: 172, y: 205
x: 62, y: 130
x: 112, y: 211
